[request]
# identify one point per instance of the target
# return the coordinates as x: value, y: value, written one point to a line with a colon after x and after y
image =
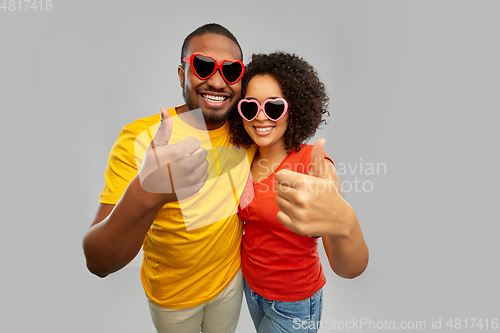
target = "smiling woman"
x: 266, y: 132
x: 298, y: 84
x: 283, y: 105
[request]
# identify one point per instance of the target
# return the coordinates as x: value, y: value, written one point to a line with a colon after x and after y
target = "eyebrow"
x: 253, y: 98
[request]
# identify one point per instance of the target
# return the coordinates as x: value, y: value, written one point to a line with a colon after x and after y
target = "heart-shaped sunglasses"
x: 274, y: 108
x: 204, y: 66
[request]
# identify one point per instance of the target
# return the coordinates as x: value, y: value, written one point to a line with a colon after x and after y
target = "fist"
x: 177, y: 170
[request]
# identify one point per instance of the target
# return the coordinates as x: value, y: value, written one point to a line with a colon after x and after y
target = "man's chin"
x: 213, y: 116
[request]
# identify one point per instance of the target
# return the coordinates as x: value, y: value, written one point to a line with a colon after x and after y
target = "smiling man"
x: 184, y: 216
x: 210, y: 77
x: 214, y: 89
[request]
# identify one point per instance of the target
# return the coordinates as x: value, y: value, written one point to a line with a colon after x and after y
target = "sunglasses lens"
x: 232, y: 71
x: 203, y: 66
x: 248, y: 110
x: 274, y: 109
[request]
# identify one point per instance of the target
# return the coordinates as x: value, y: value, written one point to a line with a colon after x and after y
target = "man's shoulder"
x: 141, y: 124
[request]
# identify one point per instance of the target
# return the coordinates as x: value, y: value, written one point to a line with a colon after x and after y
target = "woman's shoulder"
x: 303, y: 154
x: 299, y: 161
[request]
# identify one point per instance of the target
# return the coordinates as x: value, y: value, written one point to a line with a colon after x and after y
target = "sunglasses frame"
x: 262, y: 107
x: 218, y: 66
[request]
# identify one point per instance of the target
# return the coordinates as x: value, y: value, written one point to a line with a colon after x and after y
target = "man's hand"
x: 176, y: 170
x: 312, y: 204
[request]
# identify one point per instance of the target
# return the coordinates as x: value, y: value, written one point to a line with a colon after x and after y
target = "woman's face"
x: 263, y: 131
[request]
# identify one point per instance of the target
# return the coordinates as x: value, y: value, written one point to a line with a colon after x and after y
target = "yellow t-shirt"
x: 192, y: 250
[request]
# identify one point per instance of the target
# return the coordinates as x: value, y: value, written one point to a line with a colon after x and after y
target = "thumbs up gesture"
x: 176, y: 170
x: 312, y: 204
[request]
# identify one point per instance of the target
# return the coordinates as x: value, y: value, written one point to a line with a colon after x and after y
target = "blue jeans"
x: 284, y: 317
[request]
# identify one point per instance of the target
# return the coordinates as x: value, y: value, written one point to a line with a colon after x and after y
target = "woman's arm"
x: 343, y: 241
x: 313, y: 205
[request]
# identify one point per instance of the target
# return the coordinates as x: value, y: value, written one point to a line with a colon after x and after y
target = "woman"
x: 283, y: 105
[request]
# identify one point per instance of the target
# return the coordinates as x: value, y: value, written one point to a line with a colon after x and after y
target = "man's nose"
x: 216, y: 81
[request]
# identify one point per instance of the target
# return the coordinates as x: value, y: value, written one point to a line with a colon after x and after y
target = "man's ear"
x: 180, y: 72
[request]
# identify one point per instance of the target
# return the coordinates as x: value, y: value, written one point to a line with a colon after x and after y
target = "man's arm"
x: 313, y: 205
x: 117, y: 232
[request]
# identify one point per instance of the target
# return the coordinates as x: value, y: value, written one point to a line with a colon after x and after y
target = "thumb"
x: 318, y: 165
x: 164, y: 131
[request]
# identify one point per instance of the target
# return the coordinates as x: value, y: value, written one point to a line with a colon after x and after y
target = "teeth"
x: 263, y: 129
x: 213, y: 98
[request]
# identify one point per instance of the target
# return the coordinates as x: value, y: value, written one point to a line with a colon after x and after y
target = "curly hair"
x: 301, y: 87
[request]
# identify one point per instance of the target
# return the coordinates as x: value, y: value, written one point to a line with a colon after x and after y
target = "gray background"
x: 413, y: 85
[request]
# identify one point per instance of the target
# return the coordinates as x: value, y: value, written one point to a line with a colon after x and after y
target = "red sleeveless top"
x: 277, y: 263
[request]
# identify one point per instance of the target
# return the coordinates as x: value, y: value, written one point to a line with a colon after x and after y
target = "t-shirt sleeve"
x: 305, y: 157
x: 328, y: 158
x: 122, y: 167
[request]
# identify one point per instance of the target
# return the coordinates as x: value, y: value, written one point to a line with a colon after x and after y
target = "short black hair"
x: 303, y: 90
x: 209, y: 28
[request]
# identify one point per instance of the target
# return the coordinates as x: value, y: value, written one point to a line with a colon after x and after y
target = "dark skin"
x: 131, y: 219
x: 117, y: 232
x: 194, y: 88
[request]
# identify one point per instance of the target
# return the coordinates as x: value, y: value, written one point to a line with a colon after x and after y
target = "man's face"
x: 206, y: 94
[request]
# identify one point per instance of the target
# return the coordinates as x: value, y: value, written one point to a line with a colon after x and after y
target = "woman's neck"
x: 267, y: 160
x: 273, y: 153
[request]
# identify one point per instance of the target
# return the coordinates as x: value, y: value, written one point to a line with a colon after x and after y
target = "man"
x: 188, y: 272
x: 172, y: 187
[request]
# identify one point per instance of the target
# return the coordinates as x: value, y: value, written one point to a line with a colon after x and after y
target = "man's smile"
x: 215, y: 100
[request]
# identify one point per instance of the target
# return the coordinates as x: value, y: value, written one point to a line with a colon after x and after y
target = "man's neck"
x: 196, y: 120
